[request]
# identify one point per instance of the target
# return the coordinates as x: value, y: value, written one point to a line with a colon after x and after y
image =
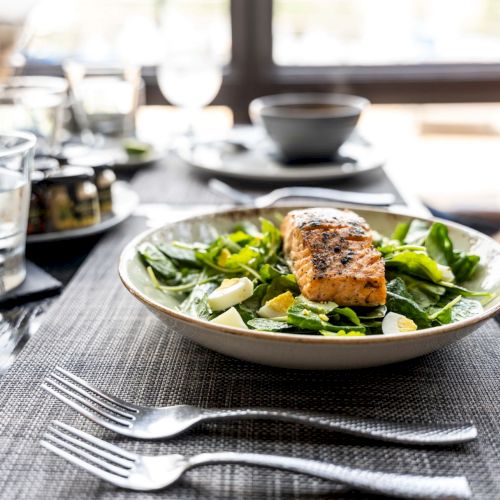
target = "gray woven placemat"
x: 99, y: 331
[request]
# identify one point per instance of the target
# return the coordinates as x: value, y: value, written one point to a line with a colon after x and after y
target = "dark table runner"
x: 172, y: 181
x: 96, y: 329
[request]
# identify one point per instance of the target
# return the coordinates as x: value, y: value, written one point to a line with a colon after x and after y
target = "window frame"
x: 253, y: 73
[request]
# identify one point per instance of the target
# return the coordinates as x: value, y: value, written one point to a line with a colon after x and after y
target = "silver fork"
x: 145, y: 422
x: 326, y: 194
x: 144, y: 473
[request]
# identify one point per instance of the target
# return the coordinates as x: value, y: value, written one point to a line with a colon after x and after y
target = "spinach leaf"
x: 268, y: 325
x: 371, y: 312
x: 246, y: 314
x: 268, y: 272
x: 248, y: 228
x: 417, y: 232
x: 196, y: 304
x: 349, y: 314
x: 182, y: 254
x: 423, y: 292
x: 271, y: 238
x: 305, y: 319
x: 457, y: 309
x: 317, y: 307
x: 280, y: 285
x: 464, y: 292
x: 439, y: 245
x: 160, y: 263
x: 242, y: 238
x: 440, y: 248
x: 466, y: 308
x: 400, y: 301
x: 401, y: 231
x: 443, y: 315
x: 209, y: 254
x: 464, y: 266
x: 417, y: 264
x: 256, y: 300
x: 308, y: 320
x: 245, y: 256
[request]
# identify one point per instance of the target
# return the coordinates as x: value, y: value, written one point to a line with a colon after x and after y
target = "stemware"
x: 191, y: 70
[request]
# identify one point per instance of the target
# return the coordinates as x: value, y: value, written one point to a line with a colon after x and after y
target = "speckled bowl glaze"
x: 306, y: 351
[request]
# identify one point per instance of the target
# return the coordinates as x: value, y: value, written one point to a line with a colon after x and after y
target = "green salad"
x: 242, y: 279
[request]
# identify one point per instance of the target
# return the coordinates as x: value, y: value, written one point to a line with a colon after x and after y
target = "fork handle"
x: 383, y: 483
x: 375, y: 199
x: 405, y: 433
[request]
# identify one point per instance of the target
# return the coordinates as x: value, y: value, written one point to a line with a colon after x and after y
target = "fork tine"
x: 111, y: 457
x: 98, y: 409
x: 86, y: 412
x: 102, y: 394
x: 90, y: 396
x: 89, y: 457
x: 107, y: 476
x: 98, y: 442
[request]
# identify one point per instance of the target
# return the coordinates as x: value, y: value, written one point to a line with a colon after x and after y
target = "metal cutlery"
x: 145, y: 473
x: 144, y: 422
x: 326, y: 194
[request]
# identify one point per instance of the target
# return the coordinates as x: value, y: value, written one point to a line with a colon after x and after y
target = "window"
x: 133, y: 31
x: 386, y: 50
x: 385, y: 32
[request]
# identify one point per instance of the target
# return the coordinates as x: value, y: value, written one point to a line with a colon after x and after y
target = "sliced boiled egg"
x: 230, y: 318
x: 397, y: 323
x: 231, y: 292
x: 277, y: 306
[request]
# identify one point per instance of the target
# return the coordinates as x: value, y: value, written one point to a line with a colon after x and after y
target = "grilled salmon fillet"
x: 332, y: 255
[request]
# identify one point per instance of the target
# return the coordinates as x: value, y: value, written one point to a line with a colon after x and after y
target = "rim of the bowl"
x: 295, y: 337
x: 29, y: 142
x: 353, y: 104
x: 48, y: 83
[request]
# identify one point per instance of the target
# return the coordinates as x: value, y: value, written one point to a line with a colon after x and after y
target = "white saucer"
x: 125, y: 201
x: 260, y: 163
x: 112, y: 152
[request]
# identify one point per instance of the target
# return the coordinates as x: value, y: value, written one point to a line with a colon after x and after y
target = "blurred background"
x: 431, y: 69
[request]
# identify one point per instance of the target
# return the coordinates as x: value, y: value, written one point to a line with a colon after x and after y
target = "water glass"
x: 16, y: 160
x: 107, y: 97
x: 35, y: 104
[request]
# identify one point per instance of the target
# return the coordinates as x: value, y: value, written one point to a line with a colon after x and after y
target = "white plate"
x: 125, y: 201
x: 260, y: 164
x: 113, y: 153
x: 300, y: 350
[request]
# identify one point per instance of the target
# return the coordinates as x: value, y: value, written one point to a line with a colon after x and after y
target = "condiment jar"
x: 71, y: 198
x: 37, y: 213
x: 104, y: 178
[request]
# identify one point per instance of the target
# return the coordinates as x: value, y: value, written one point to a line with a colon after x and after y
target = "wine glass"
x: 190, y: 72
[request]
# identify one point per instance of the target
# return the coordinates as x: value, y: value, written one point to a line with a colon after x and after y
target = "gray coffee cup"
x: 308, y: 125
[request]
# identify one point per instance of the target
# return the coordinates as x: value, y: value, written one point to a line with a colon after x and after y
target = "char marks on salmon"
x: 332, y: 255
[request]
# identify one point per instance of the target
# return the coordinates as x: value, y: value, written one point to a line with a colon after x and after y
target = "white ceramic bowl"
x: 306, y: 351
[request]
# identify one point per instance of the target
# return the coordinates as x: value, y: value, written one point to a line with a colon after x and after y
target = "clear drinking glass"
x: 107, y: 97
x: 16, y: 160
x: 34, y: 104
x: 197, y: 45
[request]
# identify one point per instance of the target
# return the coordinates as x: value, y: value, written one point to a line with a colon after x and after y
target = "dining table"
x: 98, y: 331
